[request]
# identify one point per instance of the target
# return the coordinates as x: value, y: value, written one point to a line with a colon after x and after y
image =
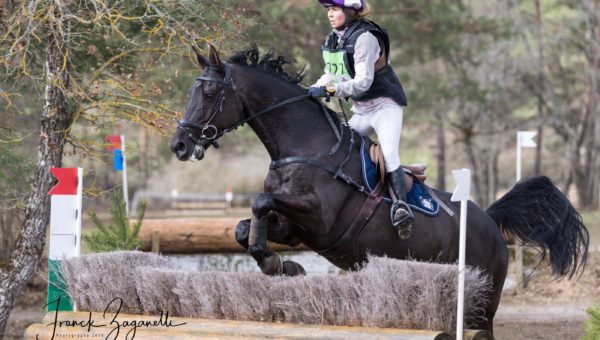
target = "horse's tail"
x: 539, y: 214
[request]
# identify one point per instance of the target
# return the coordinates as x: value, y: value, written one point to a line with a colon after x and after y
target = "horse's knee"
x: 262, y: 205
x: 242, y: 232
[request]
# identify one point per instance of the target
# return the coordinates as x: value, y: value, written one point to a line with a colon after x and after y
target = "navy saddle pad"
x: 418, y: 198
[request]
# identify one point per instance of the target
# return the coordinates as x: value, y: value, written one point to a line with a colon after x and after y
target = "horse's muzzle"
x: 197, y: 153
x: 185, y: 150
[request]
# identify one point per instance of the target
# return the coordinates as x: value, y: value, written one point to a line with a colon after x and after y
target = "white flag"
x: 463, y: 185
x: 526, y: 139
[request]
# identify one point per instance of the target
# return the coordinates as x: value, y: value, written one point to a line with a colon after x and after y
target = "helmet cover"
x: 353, y: 4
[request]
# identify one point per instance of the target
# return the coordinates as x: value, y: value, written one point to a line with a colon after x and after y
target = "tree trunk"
x: 540, y: 93
x: 587, y: 178
x: 441, y: 152
x: 477, y: 193
x: 55, y: 122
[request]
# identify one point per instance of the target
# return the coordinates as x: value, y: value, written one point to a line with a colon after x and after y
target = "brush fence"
x: 386, y: 293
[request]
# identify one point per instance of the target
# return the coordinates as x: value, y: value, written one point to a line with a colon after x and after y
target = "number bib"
x: 335, y: 65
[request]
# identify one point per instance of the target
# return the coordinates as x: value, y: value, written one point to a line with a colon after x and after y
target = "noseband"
x: 211, y: 133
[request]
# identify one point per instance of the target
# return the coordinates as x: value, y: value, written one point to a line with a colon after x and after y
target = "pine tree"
x: 117, y: 236
x: 592, y: 326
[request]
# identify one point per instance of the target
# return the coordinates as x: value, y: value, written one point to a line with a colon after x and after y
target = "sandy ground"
x: 546, y: 309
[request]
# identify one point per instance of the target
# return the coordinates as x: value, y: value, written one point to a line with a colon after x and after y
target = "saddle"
x: 416, y: 170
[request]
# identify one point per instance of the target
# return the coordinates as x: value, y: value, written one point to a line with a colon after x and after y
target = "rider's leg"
x: 400, y: 213
x: 387, y: 123
x: 361, y: 124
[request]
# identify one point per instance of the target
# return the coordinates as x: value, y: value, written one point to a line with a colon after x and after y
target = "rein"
x: 211, y: 133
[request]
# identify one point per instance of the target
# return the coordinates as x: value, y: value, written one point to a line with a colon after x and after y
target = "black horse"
x: 312, y: 194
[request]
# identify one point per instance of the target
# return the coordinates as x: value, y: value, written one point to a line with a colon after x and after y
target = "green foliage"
x: 16, y: 172
x: 118, y: 236
x: 592, y: 326
x: 15, y: 180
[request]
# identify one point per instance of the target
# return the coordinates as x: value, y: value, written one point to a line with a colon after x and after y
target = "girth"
x: 347, y: 243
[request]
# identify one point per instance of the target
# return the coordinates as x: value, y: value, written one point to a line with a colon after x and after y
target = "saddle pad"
x: 418, y: 198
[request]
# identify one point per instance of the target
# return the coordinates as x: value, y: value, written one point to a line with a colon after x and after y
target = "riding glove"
x: 318, y: 91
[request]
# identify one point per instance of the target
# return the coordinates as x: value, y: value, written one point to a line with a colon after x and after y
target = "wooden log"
x: 153, y: 327
x: 197, y: 235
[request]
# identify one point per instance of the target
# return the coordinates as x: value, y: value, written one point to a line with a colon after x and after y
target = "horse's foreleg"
x: 278, y: 232
x: 242, y: 231
x: 268, y: 261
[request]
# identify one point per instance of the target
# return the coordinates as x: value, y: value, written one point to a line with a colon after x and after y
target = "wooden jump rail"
x: 195, y: 235
x: 153, y: 327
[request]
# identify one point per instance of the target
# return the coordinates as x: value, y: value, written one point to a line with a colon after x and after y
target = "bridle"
x: 210, y: 132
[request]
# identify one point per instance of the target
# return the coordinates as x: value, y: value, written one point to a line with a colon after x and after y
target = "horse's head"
x: 208, y: 114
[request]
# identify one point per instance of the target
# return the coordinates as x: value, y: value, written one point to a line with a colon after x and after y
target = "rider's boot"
x: 400, y: 213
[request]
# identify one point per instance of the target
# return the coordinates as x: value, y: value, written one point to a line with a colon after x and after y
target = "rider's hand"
x: 318, y: 92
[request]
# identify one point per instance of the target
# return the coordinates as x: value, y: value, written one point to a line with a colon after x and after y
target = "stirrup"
x: 402, y: 219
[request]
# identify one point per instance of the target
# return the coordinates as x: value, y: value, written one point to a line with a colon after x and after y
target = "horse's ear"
x: 213, y: 55
x: 202, y: 60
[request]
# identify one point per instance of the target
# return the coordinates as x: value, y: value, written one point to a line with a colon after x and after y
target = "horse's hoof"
x: 271, y: 265
x: 291, y: 268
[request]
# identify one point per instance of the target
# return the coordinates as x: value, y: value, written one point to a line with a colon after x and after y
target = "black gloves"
x: 318, y: 91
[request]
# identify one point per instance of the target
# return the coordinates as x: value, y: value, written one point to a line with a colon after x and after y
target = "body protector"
x: 339, y: 62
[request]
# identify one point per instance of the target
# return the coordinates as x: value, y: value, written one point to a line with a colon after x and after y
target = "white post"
x: 519, y: 277
x: 461, y: 193
x: 65, y: 231
x: 518, y: 172
x: 229, y: 197
x: 524, y: 140
x: 125, y: 190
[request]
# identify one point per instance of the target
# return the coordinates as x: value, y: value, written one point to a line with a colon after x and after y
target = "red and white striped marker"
x: 65, y: 230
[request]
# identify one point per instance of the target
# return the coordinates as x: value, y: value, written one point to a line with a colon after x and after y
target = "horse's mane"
x: 268, y: 62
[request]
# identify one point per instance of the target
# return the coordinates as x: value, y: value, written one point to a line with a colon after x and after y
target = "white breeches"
x: 387, y: 124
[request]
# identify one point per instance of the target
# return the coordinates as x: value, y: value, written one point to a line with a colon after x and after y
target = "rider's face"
x: 336, y: 16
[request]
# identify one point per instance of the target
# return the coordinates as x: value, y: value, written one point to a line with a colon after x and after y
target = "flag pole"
x: 461, y: 193
x: 125, y: 190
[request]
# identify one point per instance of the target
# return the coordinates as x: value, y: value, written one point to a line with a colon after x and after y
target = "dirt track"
x: 553, y: 321
x: 547, y: 309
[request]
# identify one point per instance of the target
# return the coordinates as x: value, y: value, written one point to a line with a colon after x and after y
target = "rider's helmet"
x: 357, y: 5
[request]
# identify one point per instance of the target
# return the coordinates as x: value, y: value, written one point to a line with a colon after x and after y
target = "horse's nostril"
x: 179, y: 147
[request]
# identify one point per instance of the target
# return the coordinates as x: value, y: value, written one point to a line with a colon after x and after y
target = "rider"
x: 356, y: 56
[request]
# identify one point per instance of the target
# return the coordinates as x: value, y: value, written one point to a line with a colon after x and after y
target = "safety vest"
x: 338, y: 55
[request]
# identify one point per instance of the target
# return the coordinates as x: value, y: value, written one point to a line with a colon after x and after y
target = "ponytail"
x: 365, y: 12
